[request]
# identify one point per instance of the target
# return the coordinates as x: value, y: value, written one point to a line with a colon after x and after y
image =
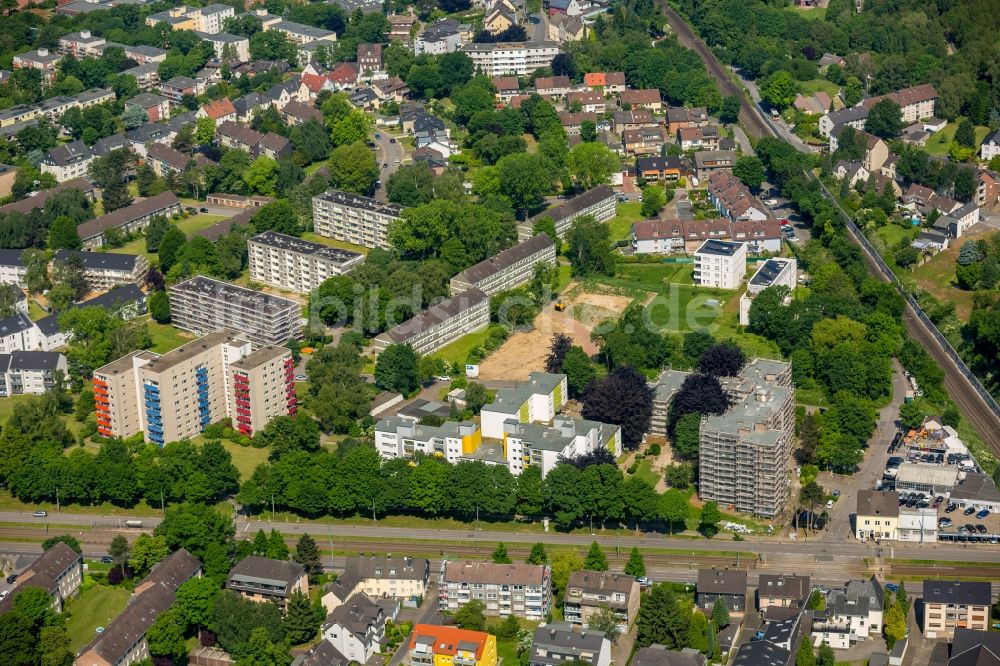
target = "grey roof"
x: 975, y: 648
x: 976, y: 488
x: 356, y: 615
x: 602, y: 582
x: 34, y: 360
x: 109, y: 143
x: 28, y: 204
x: 324, y: 654
x: 98, y: 260
x: 783, y: 586
x: 761, y: 653
x: 769, y: 271
x: 16, y: 323
x: 263, y: 303
x: 43, y: 572
x: 255, y: 569
x: 386, y: 567
x: 505, y: 259
x: 490, y: 572
x: 120, y: 295
x: 301, y: 29
x: 436, y: 314
x: 978, y: 593
x: 856, y: 599
x: 719, y: 247
x: 722, y: 581
x: 188, y: 350
x: 69, y: 153
x: 179, y: 83
x: 577, y: 203
x: 848, y: 115
x: 144, y: 50
x: 11, y: 258
x: 782, y: 631
x: 559, y: 641
x: 878, y: 503
x: 659, y: 655
x: 147, y: 133
x: 146, y: 100
x: 123, y: 216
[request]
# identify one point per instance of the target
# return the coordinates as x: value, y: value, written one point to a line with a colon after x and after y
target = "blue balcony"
x: 149, y: 388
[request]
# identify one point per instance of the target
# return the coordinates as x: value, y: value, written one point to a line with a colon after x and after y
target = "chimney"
x: 85, y: 34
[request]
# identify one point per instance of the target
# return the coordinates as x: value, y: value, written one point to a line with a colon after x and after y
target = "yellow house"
x: 434, y: 645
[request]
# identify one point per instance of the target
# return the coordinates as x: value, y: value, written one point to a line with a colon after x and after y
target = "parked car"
x: 300, y: 378
x: 944, y: 522
x: 203, y: 209
x: 770, y: 202
x: 107, y: 559
x: 969, y: 511
x: 3, y: 595
x: 950, y: 508
x: 982, y: 514
x: 391, y: 140
x: 11, y: 578
x: 981, y: 528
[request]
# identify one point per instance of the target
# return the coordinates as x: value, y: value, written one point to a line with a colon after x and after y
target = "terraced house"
x: 129, y: 219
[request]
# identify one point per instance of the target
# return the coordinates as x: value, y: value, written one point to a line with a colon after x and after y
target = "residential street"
x: 389, y: 156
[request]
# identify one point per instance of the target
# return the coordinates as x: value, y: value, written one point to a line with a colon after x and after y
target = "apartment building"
x: 201, y: 305
x: 562, y: 641
x: 775, y: 272
x: 915, y: 102
x: 707, y: 162
x: 228, y: 47
x: 782, y: 591
x: 509, y: 268
x: 952, y: 604
x: 877, y: 515
x: 53, y: 108
x: 129, y: 219
x: 67, y: 161
x: 58, y: 571
x: 398, y: 437
x: 356, y: 628
x: 81, y: 44
x: 234, y: 135
x: 353, y: 218
x: 379, y: 577
x: 199, y: 19
x: 523, y: 590
x: 598, y: 201
x: 744, y: 454
x: 12, y: 268
x: 434, y: 645
x: 261, y: 579
x: 261, y: 386
x: 726, y: 585
x: 176, y: 395
x: 511, y: 58
x: 41, y: 59
x: 852, y: 614
x: 647, y: 98
x: 537, y: 400
x: 588, y: 592
x: 106, y: 270
x: 720, y: 264
x: 532, y: 444
x: 123, y: 641
x: 30, y: 372
x: 441, y: 324
x: 294, y: 264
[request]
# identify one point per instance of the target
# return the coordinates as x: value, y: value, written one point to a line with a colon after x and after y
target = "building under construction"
x: 744, y: 454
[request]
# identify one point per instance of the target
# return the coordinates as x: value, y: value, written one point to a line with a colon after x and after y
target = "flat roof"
x: 262, y: 355
x: 719, y: 247
x: 300, y: 246
x: 224, y: 291
x: 926, y: 473
x: 189, y: 350
x: 357, y: 201
x: 769, y: 271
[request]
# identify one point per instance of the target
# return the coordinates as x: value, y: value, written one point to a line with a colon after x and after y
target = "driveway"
x: 428, y: 615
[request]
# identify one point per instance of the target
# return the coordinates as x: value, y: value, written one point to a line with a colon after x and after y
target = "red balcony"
x: 104, y: 432
x: 100, y: 383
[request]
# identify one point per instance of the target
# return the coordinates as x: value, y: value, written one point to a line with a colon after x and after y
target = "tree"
x: 779, y: 89
x: 63, y: 234
x: 411, y: 184
x: 307, y: 554
x: 701, y: 394
x: 262, y: 176
x: 825, y: 656
x: 720, y: 614
x: 353, y: 168
x: 730, y: 112
x: 155, y: 232
x: 854, y: 91
x: 592, y: 164
x: 196, y: 601
x: 538, y: 554
x: 110, y: 173
x: 722, y: 360
x: 500, y: 555
x: 301, y: 620
x: 965, y: 135
x: 710, y: 519
x: 523, y: 178
x: 563, y: 563
x: 624, y: 398
x: 653, y: 200
x: 595, y: 560
x: 664, y: 618
x: 910, y: 415
x: 170, y: 247
x: 54, y: 646
x: 165, y: 637
x: 558, y: 346
x: 277, y: 549
x: 902, y: 599
x: 67, y: 539
x: 606, y: 621
x: 805, y: 655
x: 589, y: 247
x: 636, y: 565
x: 260, y: 649
x: 119, y: 551
x: 147, y: 550
x: 471, y: 616
x: 811, y: 496
x: 579, y: 370
x: 885, y: 119
x: 204, y: 131
x: 895, y: 625
x: 272, y: 45
x: 673, y: 508
x: 194, y: 527
x: 750, y: 170
x: 476, y: 396
x: 397, y: 369
x: 159, y: 307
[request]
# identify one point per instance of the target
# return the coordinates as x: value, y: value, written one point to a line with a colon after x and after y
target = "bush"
x: 653, y: 450
x: 631, y: 468
x: 115, y: 575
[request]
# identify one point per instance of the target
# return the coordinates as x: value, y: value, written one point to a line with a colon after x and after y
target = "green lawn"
x: 816, y: 85
x: 645, y: 472
x: 939, y: 143
x: 137, y: 246
x: 891, y: 234
x: 565, y: 274
x: 316, y: 238
x: 458, y: 351
x: 94, y: 608
x: 198, y: 222
x: 246, y: 458
x: 35, y: 311
x: 813, y: 14
x: 166, y: 337
x: 621, y: 225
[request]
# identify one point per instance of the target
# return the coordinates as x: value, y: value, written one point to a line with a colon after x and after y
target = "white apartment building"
x: 353, y: 218
x: 12, y: 269
x: 200, y: 19
x: 301, y: 34
x: 852, y: 614
x: 294, y: 264
x: 509, y: 268
x: 523, y: 590
x: 29, y: 372
x: 82, y: 44
x: 536, y: 401
x: 511, y: 58
x: 68, y: 161
x: 356, y: 628
x: 201, y: 305
x: 239, y: 46
x: 598, y: 201
x: 440, y: 325
x: 531, y: 444
x: 378, y: 576
x: 775, y: 272
x: 106, y: 270
x: 397, y: 437
x: 720, y: 264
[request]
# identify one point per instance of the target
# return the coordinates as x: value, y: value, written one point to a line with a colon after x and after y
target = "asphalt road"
x: 972, y: 405
x: 390, y: 154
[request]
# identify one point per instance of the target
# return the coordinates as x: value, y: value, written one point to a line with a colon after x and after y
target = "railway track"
x: 972, y: 404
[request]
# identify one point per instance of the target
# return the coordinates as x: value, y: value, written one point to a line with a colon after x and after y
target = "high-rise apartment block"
x: 293, y: 264
x: 176, y: 395
x: 354, y: 219
x: 743, y: 455
x: 201, y: 305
